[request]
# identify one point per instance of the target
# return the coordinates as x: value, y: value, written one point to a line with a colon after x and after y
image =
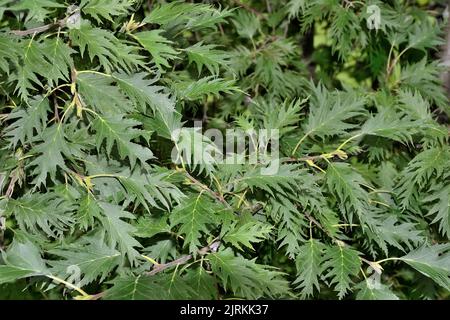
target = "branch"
x: 73, y: 14
x: 214, y: 194
x: 248, y: 8
x: 157, y: 268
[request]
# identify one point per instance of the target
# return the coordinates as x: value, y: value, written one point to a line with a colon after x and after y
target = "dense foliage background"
x: 92, y: 206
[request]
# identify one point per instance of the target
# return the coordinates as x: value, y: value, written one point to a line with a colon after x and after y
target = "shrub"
x: 107, y: 193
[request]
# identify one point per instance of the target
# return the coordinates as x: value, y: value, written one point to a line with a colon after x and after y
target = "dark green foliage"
x: 93, y: 206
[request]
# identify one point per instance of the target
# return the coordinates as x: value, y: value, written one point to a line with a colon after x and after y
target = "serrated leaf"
x: 41, y: 213
x: 99, y: 93
x: 346, y: 184
x: 207, y: 56
x: 36, y: 9
x: 23, y: 259
x: 194, y: 215
x: 27, y: 121
x: 147, y: 227
x: 246, y: 278
x: 158, y: 46
x: 248, y: 233
x: 116, y: 130
x: 111, y: 52
x: 106, y: 9
x: 51, y: 153
x: 157, y: 287
x: 205, y: 86
x: 89, y: 262
x: 118, y: 231
x: 142, y: 92
x: 309, y: 267
x: 330, y: 112
x: 374, y: 291
x: 342, y: 263
x: 440, y: 200
x: 432, y: 261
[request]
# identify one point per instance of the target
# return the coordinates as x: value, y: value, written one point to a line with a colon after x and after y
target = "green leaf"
x: 330, y: 112
x: 195, y: 16
x: 111, y: 52
x: 389, y: 125
x: 430, y: 163
x: 374, y: 291
x: 27, y: 121
x: 286, y: 117
x: 196, y: 90
x: 309, y: 267
x: 51, y: 152
x: 143, y: 93
x: 425, y: 78
x: 157, y: 287
x: 284, y: 181
x: 118, y: 231
x: 195, y: 150
x: 393, y: 232
x: 161, y: 250
x: 150, y: 189
x: 166, y: 13
x: 92, y: 261
x: 207, y: 55
x: 247, y: 233
x: 37, y: 212
x: 291, y: 224
x: 8, y: 51
x: 440, y: 201
x: 195, y: 215
x: 147, y: 227
x: 204, y: 284
x: 343, y: 181
x: 432, y: 261
x: 59, y: 56
x: 36, y: 9
x: 23, y: 259
x: 106, y: 9
x: 342, y: 264
x: 245, y: 278
x: 116, y: 130
x: 137, y: 288
x: 100, y: 93
x: 158, y: 46
x: 50, y: 59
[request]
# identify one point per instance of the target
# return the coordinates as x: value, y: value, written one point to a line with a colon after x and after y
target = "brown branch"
x: 214, y: 194
x: 248, y: 8
x: 72, y: 12
x: 22, y: 33
x: 184, y: 259
x: 302, y: 159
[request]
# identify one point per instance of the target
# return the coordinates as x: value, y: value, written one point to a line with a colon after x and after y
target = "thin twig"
x: 248, y: 8
x: 214, y: 194
x: 60, y: 23
x: 184, y: 259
